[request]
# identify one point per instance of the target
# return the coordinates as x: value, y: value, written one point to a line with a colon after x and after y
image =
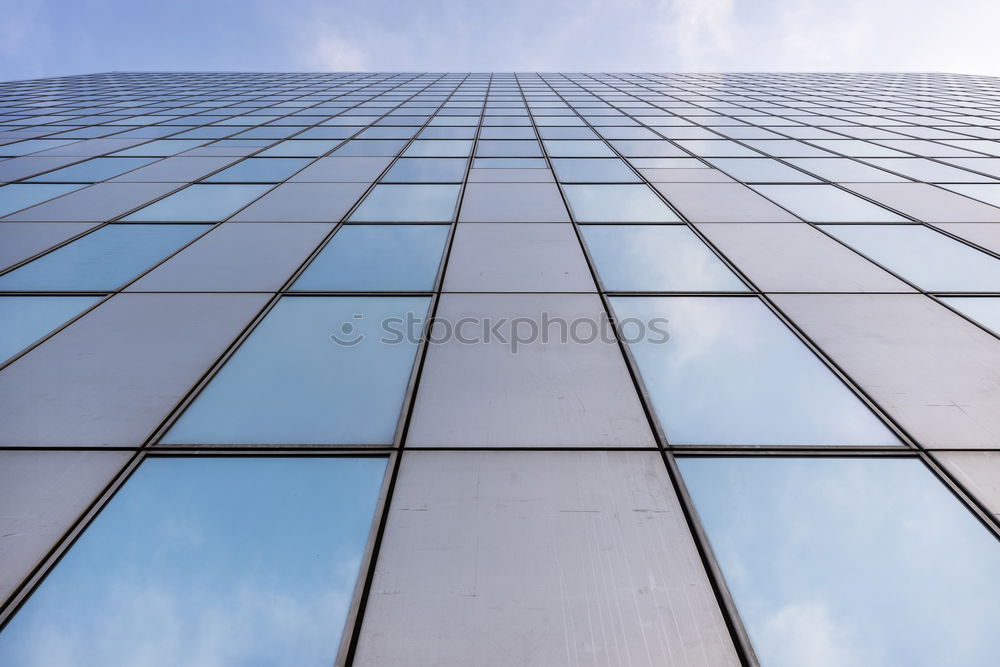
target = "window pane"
x: 574, y: 148
x: 825, y: 203
x: 656, y: 258
x: 487, y: 148
x: 369, y: 258
x: 438, y: 148
x: 933, y: 261
x: 208, y: 561
x: 850, y: 561
x: 427, y: 170
x: 509, y: 163
x: 408, y: 203
x: 31, y: 146
x: 16, y: 196
x: 593, y: 170
x: 299, y: 148
x: 617, y: 203
x: 842, y: 170
x: 28, y: 318
x: 983, y: 309
x: 315, y: 371
x: 102, y: 260
x: 761, y: 170
x: 372, y: 147
x: 259, y: 170
x: 161, y: 147
x: 730, y: 373
x: 94, y: 170
x: 196, y: 203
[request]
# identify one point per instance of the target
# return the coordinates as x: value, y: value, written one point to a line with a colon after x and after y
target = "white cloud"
x: 702, y: 30
x: 805, y: 633
x: 325, y: 50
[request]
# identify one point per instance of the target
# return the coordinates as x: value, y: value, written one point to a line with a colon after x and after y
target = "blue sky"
x: 56, y: 37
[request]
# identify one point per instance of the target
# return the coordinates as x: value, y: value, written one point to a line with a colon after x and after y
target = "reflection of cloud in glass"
x: 850, y: 561
x: 732, y: 373
x: 653, y: 258
x: 244, y: 561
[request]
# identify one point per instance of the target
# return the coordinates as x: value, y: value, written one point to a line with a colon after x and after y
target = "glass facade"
x: 403, y: 369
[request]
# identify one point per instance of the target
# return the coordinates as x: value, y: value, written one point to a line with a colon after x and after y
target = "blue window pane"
x: 516, y: 148
x: 161, y: 147
x: 850, y: 561
x: 427, y: 170
x: 317, y: 370
x: 327, y: 133
x: 438, y: 148
x: 573, y: 148
x: 197, y: 203
x: 728, y: 372
x: 593, y: 170
x: 102, y: 260
x: 388, y: 133
x: 91, y: 171
x: 371, y: 147
x: 28, y: 318
x: 208, y: 561
x: 509, y: 163
x: 369, y: 258
x: 656, y: 258
x: 30, y: 146
x: 300, y: 148
x: 408, y: 203
x: 259, y: 170
x: 17, y: 196
x: 617, y: 203
x: 931, y: 260
x: 448, y: 133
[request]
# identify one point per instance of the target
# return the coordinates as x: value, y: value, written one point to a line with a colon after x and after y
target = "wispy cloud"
x: 703, y: 31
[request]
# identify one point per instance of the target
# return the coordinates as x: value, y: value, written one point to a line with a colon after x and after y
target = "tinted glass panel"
x: 260, y: 170
x: 94, y: 170
x: 16, y: 196
x: 984, y: 309
x: 408, y: 203
x: 28, y: 318
x: 617, y: 203
x: 850, y: 561
x: 101, y: 260
x: 197, y: 203
x: 761, y: 170
x: 317, y: 370
x: 825, y: 203
x: 656, y: 258
x: 729, y: 372
x: 427, y: 170
x: 931, y: 260
x: 368, y: 258
x: 161, y: 147
x: 438, y: 148
x: 225, y: 561
x: 590, y: 170
x: 578, y: 149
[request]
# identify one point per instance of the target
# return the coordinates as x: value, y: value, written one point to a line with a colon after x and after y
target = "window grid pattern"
x: 713, y: 154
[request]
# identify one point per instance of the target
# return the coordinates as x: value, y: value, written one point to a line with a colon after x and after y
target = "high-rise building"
x: 406, y: 370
